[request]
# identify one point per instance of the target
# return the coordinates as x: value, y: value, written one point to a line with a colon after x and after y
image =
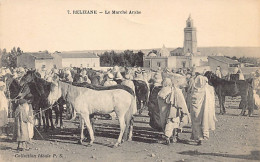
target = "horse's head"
x: 28, y: 77
x: 211, y: 76
x: 55, y: 92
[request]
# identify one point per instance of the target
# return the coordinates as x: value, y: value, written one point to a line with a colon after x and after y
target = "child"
x: 21, y: 124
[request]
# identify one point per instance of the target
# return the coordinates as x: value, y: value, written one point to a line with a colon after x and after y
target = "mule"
x: 225, y: 88
x: 83, y: 100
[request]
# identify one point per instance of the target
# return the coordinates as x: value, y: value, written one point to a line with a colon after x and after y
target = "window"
x: 189, y: 25
x: 158, y: 64
x: 94, y: 65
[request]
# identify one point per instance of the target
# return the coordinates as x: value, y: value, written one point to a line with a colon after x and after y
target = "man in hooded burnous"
x: 173, y: 110
x: 202, y: 109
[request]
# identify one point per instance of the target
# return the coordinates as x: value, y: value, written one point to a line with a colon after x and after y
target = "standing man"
x: 22, y: 119
x: 202, y: 109
x: 218, y: 72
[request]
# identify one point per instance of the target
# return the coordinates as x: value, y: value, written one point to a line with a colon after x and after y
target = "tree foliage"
x: 9, y: 59
x: 127, y: 58
x: 251, y: 60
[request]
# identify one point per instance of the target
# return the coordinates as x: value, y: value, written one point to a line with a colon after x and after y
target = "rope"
x: 45, y: 109
x: 38, y: 132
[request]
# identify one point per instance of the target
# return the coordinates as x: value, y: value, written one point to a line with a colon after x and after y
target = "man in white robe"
x: 202, y: 109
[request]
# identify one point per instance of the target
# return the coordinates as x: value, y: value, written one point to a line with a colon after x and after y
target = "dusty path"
x: 237, y: 138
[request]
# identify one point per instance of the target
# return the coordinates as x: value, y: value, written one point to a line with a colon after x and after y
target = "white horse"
x: 86, y: 101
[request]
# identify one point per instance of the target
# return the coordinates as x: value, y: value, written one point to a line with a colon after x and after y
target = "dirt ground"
x: 236, y: 138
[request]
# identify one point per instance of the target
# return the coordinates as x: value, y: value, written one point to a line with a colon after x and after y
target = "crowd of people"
x: 181, y: 97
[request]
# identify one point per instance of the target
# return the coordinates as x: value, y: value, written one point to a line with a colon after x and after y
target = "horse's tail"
x: 129, y: 118
x: 133, y: 105
x: 131, y: 111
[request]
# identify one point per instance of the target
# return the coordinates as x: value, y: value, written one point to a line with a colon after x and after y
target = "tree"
x: 127, y: 58
x: 10, y: 59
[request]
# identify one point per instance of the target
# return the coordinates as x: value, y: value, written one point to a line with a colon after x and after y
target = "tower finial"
x: 190, y: 16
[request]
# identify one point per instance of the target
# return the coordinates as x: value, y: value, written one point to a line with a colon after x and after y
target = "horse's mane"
x: 214, y: 78
x: 101, y: 88
x: 39, y: 84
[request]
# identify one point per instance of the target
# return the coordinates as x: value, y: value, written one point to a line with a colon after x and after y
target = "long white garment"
x: 3, y: 109
x: 28, y: 110
x: 202, y: 109
x: 256, y: 91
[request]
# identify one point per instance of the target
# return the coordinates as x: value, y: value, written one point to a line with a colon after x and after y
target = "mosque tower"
x: 190, y: 38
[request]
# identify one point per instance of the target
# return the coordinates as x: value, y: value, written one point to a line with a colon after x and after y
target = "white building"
x: 35, y: 60
x: 78, y: 59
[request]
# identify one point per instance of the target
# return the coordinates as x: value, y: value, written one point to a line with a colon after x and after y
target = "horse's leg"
x: 122, y: 129
x: 81, y: 124
x: 131, y: 129
x: 127, y: 129
x: 139, y: 104
x: 251, y: 102
x: 92, y: 121
x: 50, y: 117
x: 220, y: 104
x: 89, y: 127
x: 56, y: 119
x: 56, y: 110
x: 43, y: 120
x: 223, y: 104
x: 39, y: 118
x: 244, y: 104
x: 60, y: 112
x: 47, y: 119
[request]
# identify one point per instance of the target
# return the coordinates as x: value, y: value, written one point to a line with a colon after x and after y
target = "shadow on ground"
x: 255, y: 155
x: 72, y: 135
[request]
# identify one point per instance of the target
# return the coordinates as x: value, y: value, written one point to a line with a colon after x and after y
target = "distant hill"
x: 231, y: 51
x: 206, y: 51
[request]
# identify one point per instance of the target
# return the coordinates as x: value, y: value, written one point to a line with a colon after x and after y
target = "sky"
x: 35, y: 25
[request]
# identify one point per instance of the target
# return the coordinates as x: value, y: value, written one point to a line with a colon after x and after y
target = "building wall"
x: 158, y: 62
x: 183, y: 61
x: 26, y: 60
x: 202, y: 69
x: 199, y: 61
x: 48, y: 63
x: 146, y: 63
x: 214, y: 64
x: 57, y: 60
x: 172, y: 62
x: 76, y: 62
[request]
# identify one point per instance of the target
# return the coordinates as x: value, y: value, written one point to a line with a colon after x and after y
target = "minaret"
x: 190, y: 38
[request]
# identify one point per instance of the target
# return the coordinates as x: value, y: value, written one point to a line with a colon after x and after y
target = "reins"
x: 45, y: 109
